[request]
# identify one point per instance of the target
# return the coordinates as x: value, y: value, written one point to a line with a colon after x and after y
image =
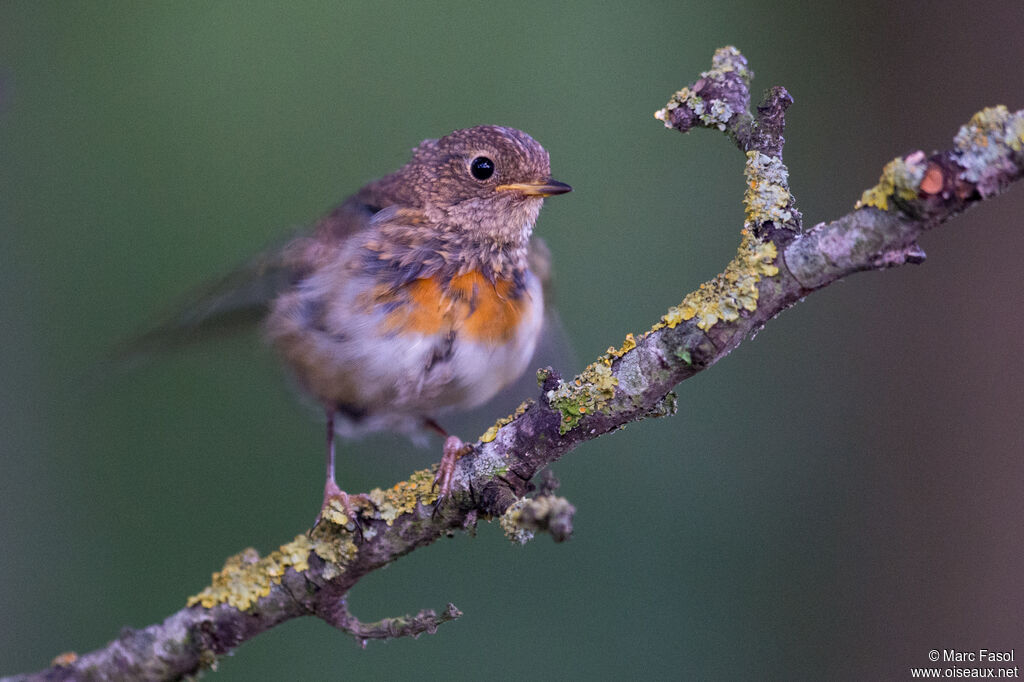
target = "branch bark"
x: 777, y: 264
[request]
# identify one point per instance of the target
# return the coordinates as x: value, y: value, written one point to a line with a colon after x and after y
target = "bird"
x: 419, y: 295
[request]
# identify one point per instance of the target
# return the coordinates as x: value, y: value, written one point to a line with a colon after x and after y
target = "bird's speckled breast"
x: 468, y: 305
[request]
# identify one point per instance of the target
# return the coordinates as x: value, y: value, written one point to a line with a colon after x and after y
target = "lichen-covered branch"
x: 777, y: 263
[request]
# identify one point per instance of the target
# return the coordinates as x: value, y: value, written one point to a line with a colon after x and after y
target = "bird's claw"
x: 454, y: 448
x: 329, y: 511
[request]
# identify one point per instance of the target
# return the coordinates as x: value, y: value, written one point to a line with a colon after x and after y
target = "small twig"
x: 388, y: 628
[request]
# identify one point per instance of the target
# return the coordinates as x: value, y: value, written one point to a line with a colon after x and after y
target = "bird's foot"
x: 453, y: 450
x: 337, y: 506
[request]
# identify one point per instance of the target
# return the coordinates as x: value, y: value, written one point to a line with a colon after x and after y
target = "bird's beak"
x: 536, y: 189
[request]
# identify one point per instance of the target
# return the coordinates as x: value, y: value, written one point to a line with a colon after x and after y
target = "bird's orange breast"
x: 470, y: 305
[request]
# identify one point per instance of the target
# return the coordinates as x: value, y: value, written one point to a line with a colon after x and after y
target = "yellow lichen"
x: 728, y: 59
x: 510, y: 523
x: 64, y: 660
x: 589, y: 392
x: 767, y: 198
x: 678, y: 97
x: 731, y: 292
x: 335, y: 546
x: 386, y: 505
x: 492, y: 432
x: 295, y: 555
x: 627, y: 345
x: 403, y: 497
x: 246, y: 577
x: 900, y: 179
x: 335, y: 513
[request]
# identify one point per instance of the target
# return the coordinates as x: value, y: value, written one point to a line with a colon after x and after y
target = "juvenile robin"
x: 415, y: 296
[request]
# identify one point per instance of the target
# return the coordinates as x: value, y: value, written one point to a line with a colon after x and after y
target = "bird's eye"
x: 481, y: 167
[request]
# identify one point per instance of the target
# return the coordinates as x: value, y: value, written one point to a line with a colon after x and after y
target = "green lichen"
x: 901, y: 179
x: 731, y: 292
x: 492, y: 432
x: 246, y: 577
x: 666, y: 407
x: 767, y: 198
x: 712, y: 113
x: 985, y: 144
x: 588, y: 393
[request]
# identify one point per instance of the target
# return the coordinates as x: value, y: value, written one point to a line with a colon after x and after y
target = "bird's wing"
x: 240, y: 299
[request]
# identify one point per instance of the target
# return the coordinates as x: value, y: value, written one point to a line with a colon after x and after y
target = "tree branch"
x: 776, y: 265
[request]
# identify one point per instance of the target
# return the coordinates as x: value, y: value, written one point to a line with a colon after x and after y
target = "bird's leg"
x: 331, y: 489
x: 454, y: 448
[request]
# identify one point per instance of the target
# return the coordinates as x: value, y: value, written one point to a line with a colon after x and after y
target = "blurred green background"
x: 833, y: 500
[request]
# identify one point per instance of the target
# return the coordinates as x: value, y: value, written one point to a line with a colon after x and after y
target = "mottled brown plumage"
x: 420, y: 294
x: 416, y: 295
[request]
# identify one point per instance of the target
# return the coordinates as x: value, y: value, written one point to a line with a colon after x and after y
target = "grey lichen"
x: 767, y: 197
x: 714, y: 113
x: 985, y: 145
x: 543, y: 513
